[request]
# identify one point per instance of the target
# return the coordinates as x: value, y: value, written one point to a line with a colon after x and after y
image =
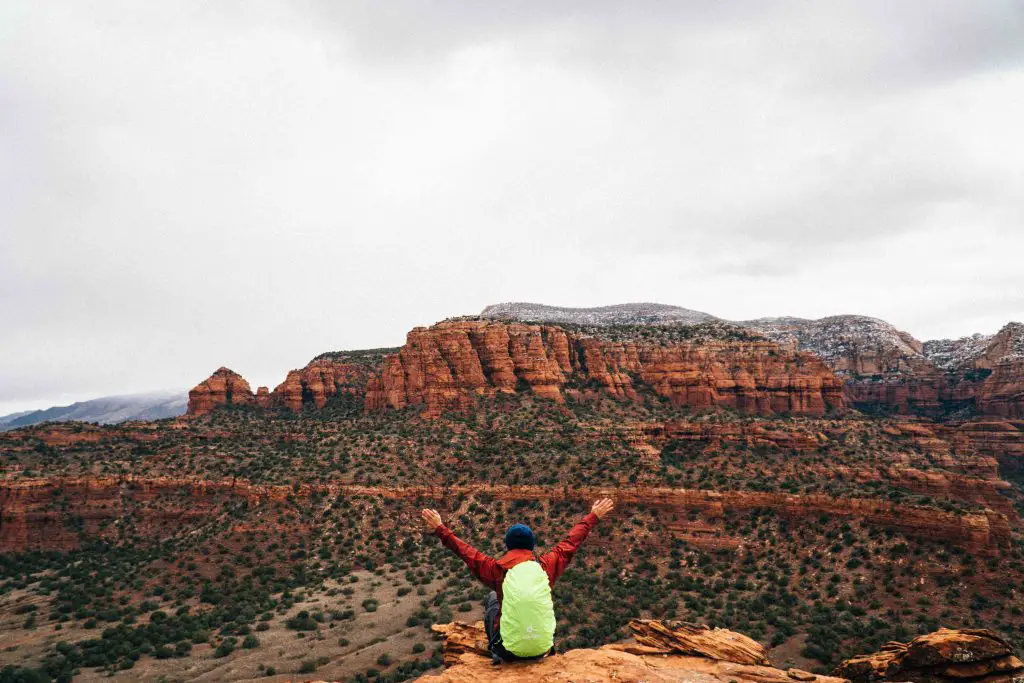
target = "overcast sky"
x: 193, y: 184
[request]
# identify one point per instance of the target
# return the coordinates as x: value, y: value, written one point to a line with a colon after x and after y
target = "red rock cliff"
x: 31, y: 516
x: 1003, y: 391
x: 988, y: 378
x: 224, y: 387
x: 445, y: 366
x: 322, y: 379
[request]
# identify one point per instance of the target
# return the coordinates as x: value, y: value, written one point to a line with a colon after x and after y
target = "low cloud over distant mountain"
x: 105, y: 410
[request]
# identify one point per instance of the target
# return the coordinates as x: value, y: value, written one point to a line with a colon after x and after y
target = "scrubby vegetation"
x: 300, y: 553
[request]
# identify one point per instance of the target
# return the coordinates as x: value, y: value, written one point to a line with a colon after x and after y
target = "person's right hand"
x: 431, y: 519
x: 602, y: 507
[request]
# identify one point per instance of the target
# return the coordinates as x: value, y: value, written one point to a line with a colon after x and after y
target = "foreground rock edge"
x: 679, y: 651
x: 945, y: 655
x: 467, y: 659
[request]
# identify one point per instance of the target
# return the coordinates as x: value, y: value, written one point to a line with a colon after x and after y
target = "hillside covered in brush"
x: 274, y: 534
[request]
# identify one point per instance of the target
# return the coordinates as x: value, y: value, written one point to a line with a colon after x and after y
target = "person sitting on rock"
x: 520, y: 616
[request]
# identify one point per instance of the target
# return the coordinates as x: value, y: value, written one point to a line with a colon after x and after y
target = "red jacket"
x: 492, y: 572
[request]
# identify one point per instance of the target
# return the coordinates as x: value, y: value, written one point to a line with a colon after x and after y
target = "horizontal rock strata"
x: 679, y: 655
x: 31, y: 519
x: 444, y: 367
x: 946, y: 655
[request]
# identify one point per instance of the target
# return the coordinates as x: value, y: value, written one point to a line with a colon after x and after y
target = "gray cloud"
x: 190, y: 185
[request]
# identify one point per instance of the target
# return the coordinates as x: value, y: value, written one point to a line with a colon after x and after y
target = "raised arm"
x: 556, y: 560
x: 483, y: 567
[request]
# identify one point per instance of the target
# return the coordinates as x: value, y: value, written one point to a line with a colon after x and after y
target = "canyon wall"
x: 931, y: 392
x: 56, y: 514
x: 322, y: 379
x: 1003, y: 391
x: 444, y: 367
x: 980, y: 373
x: 867, y: 365
x: 224, y: 387
x: 319, y: 381
x: 1000, y: 440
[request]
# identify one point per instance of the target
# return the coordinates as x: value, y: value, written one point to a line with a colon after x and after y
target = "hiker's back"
x: 527, y: 611
x: 526, y: 627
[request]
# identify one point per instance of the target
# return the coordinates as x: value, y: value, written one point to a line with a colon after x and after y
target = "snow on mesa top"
x: 620, y: 314
x: 838, y: 336
x: 837, y: 339
x: 951, y: 354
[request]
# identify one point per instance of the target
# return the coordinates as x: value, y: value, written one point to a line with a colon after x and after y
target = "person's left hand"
x: 602, y: 507
x: 431, y: 519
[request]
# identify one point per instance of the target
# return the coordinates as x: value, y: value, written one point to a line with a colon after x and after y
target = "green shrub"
x: 226, y: 647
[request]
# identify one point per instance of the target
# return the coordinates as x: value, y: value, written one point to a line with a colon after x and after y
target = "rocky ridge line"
x: 678, y: 651
x: 326, y: 376
x: 765, y: 366
x: 445, y: 366
x: 29, y: 519
x: 663, y: 652
x: 885, y: 368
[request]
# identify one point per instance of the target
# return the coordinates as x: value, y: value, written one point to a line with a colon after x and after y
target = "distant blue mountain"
x: 13, y: 416
x: 105, y: 410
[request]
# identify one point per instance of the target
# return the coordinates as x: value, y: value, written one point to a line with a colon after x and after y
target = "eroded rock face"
x: 263, y: 399
x: 749, y: 434
x: 1002, y: 440
x: 698, y: 641
x: 224, y: 387
x: 322, y: 379
x: 807, y: 368
x: 850, y: 344
x: 946, y: 655
x: 30, y: 518
x: 445, y: 366
x: 679, y: 652
x: 319, y: 381
x: 1003, y: 391
x: 983, y: 372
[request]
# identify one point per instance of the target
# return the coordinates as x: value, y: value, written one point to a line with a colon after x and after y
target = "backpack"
x: 527, y: 612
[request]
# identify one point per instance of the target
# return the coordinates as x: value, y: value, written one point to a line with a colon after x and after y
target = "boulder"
x: 945, y: 655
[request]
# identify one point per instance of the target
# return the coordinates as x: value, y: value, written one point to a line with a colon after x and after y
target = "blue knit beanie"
x: 519, y: 536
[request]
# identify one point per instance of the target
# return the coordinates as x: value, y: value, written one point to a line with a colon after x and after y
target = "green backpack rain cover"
x: 527, y: 612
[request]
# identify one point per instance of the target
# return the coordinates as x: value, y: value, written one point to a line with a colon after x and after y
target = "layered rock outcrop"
x: 678, y: 651
x: 749, y: 434
x: 1003, y: 391
x: 53, y: 514
x: 263, y: 399
x: 698, y: 641
x: 1002, y: 440
x: 885, y: 368
x: 319, y: 381
x: 444, y: 367
x: 662, y: 652
x: 850, y: 344
x: 981, y: 373
x: 946, y: 655
x: 808, y: 367
x: 923, y: 393
x: 324, y: 378
x: 225, y: 387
